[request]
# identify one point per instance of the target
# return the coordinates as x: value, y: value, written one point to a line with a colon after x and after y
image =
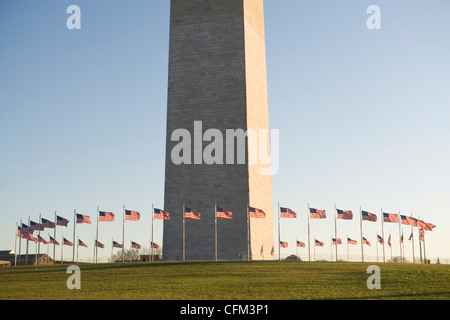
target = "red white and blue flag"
x: 224, y: 214
x: 319, y: 243
x: 351, y: 241
x: 60, y: 221
x: 117, y: 245
x: 339, y: 241
x: 99, y: 244
x: 365, y: 241
x: 191, y: 214
x: 161, y: 214
x: 380, y: 239
x: 409, y: 221
x: 344, y: 214
x: 40, y: 239
x: 256, y: 213
x: 135, y: 245
x: 105, y: 216
x: 300, y: 244
x: 287, y: 213
x: 283, y: 244
x: 67, y: 242
x: 154, y: 245
x: 47, y: 223
x: 53, y: 241
x: 317, y: 214
x: 81, y: 243
x: 81, y: 218
x: 369, y: 216
x: 390, y: 217
x: 132, y: 215
x: 34, y: 226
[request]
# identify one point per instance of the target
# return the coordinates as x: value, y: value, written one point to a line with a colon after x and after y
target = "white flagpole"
x: 348, y: 256
x: 399, y: 235
x: 248, y: 233
x: 151, y: 244
x: 74, y: 225
x: 39, y: 240
x: 123, y: 235
x: 215, y: 229
x: 279, y: 237
x: 26, y: 257
x: 112, y: 250
x: 382, y: 233
x: 62, y: 247
x: 360, y: 227
x: 309, y: 237
x: 96, y: 237
x: 15, y: 244
x: 20, y: 241
x: 296, y: 248
x: 335, y: 231
x: 184, y: 231
x: 412, y: 242
x: 78, y: 246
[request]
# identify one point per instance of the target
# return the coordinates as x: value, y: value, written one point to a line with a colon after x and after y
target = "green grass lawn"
x: 227, y: 281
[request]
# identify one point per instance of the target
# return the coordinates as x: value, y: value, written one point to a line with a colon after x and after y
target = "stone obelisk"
x: 217, y: 78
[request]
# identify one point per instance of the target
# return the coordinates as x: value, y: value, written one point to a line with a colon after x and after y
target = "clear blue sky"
x: 363, y: 115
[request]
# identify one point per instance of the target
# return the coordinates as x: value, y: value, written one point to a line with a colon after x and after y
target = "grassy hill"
x: 227, y: 281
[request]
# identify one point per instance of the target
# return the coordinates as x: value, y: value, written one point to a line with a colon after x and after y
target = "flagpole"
x: 348, y: 256
x: 296, y: 248
x: 391, y: 247
x: 382, y: 233
x: 215, y: 229
x: 15, y: 244
x: 123, y: 235
x: 314, y: 248
x: 20, y: 241
x: 184, y: 233
x: 424, y: 253
x: 62, y: 246
x: 39, y: 240
x: 248, y: 234
x: 78, y: 246
x: 412, y: 242
x: 335, y: 231
x: 360, y: 227
x: 29, y: 227
x: 309, y: 237
x: 331, y: 249
x: 96, y: 238
x: 74, y: 224
x: 151, y: 244
x: 399, y: 236
x: 279, y: 237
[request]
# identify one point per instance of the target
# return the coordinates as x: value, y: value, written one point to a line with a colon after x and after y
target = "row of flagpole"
x: 364, y: 215
x: 192, y: 214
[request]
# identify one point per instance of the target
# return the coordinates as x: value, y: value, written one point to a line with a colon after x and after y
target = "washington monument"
x: 217, y: 79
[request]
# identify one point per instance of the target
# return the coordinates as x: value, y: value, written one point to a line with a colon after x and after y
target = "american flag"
x: 319, y: 243
x: 389, y: 241
x: 351, y: 241
x: 81, y: 218
x: 53, y: 241
x: 30, y: 237
x: 135, y: 245
x: 365, y: 241
x: 25, y: 230
x: 81, y: 243
x: 344, y: 214
x: 390, y: 217
x: 132, y: 215
x: 60, y: 221
x: 224, y: 214
x: 117, y: 245
x: 380, y: 239
x: 411, y: 236
x: 421, y: 234
x: 287, y: 213
x: 99, y: 244
x: 369, y: 216
x: 283, y: 244
x: 425, y: 226
x: 339, y: 241
x: 300, y: 244
x: 154, y: 245
x: 34, y: 226
x: 317, y: 214
x: 67, y: 242
x: 191, y: 214
x: 40, y: 239
x: 161, y: 214
x: 409, y: 221
x: 105, y: 216
x: 256, y: 213
x: 47, y: 224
